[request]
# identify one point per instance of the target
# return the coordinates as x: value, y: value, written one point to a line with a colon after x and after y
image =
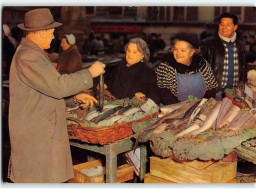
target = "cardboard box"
x: 124, y: 173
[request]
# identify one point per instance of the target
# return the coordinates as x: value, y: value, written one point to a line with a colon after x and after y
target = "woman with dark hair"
x: 185, y: 73
x: 133, y: 75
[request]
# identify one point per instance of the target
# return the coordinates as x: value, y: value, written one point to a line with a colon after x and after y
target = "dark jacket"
x: 213, y: 51
x: 69, y: 61
x: 125, y: 81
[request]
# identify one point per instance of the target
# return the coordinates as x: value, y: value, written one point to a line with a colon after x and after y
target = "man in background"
x: 226, y: 53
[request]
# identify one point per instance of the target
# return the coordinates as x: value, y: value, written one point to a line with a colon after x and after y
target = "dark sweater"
x: 125, y: 81
x: 167, y: 82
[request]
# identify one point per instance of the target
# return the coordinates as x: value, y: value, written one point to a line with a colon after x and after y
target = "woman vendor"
x: 185, y: 73
x: 133, y: 77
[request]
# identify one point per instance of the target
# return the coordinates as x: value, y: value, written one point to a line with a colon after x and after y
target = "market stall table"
x: 111, y: 151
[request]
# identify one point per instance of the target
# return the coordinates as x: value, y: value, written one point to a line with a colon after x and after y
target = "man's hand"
x: 97, y: 69
x: 85, y: 100
x: 98, y: 87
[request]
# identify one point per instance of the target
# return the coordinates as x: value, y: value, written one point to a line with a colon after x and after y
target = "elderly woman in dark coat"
x: 133, y: 76
x: 185, y: 73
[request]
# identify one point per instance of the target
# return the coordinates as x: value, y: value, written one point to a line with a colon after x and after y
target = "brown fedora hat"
x: 38, y: 19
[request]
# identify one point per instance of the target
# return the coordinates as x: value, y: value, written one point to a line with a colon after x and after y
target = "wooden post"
x: 111, y: 164
x: 143, y: 161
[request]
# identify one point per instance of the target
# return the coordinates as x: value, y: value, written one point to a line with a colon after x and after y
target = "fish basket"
x: 103, y: 135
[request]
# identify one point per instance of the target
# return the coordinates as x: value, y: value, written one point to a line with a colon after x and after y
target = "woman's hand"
x: 85, y: 100
x: 140, y: 97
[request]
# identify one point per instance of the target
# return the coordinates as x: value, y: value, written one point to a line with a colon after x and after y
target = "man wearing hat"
x: 40, y: 151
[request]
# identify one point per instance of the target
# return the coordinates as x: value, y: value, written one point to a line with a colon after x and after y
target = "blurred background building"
x: 114, y: 22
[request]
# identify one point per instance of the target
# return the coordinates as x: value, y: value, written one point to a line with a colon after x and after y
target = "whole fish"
x: 131, y: 111
x: 176, y: 114
x: 122, y: 110
x: 209, y: 120
x: 161, y: 128
x: 176, y: 124
x: 106, y: 114
x: 244, y: 120
x: 94, y: 113
x: 171, y: 107
x: 229, y: 116
x: 186, y: 131
x: 179, y: 113
x: 197, y: 110
x: 206, y: 109
x: 225, y: 106
x: 238, y: 130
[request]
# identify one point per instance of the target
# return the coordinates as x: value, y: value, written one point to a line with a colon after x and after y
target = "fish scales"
x: 225, y: 106
x: 122, y: 110
x: 176, y: 123
x: 174, y: 114
x: 106, y: 114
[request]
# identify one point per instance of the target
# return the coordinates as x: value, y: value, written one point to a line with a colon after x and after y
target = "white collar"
x: 232, y: 39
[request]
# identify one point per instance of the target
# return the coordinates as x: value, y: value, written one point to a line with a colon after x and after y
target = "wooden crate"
x: 124, y: 173
x: 154, y: 179
x: 193, y: 171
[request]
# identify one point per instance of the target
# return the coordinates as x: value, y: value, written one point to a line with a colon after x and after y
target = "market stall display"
x: 203, y: 129
x: 113, y: 123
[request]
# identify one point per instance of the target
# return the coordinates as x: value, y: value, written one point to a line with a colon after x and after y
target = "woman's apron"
x: 190, y: 85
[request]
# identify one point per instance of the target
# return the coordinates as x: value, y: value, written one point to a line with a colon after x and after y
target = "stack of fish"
x: 113, y: 113
x: 190, y: 118
x: 199, y: 129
